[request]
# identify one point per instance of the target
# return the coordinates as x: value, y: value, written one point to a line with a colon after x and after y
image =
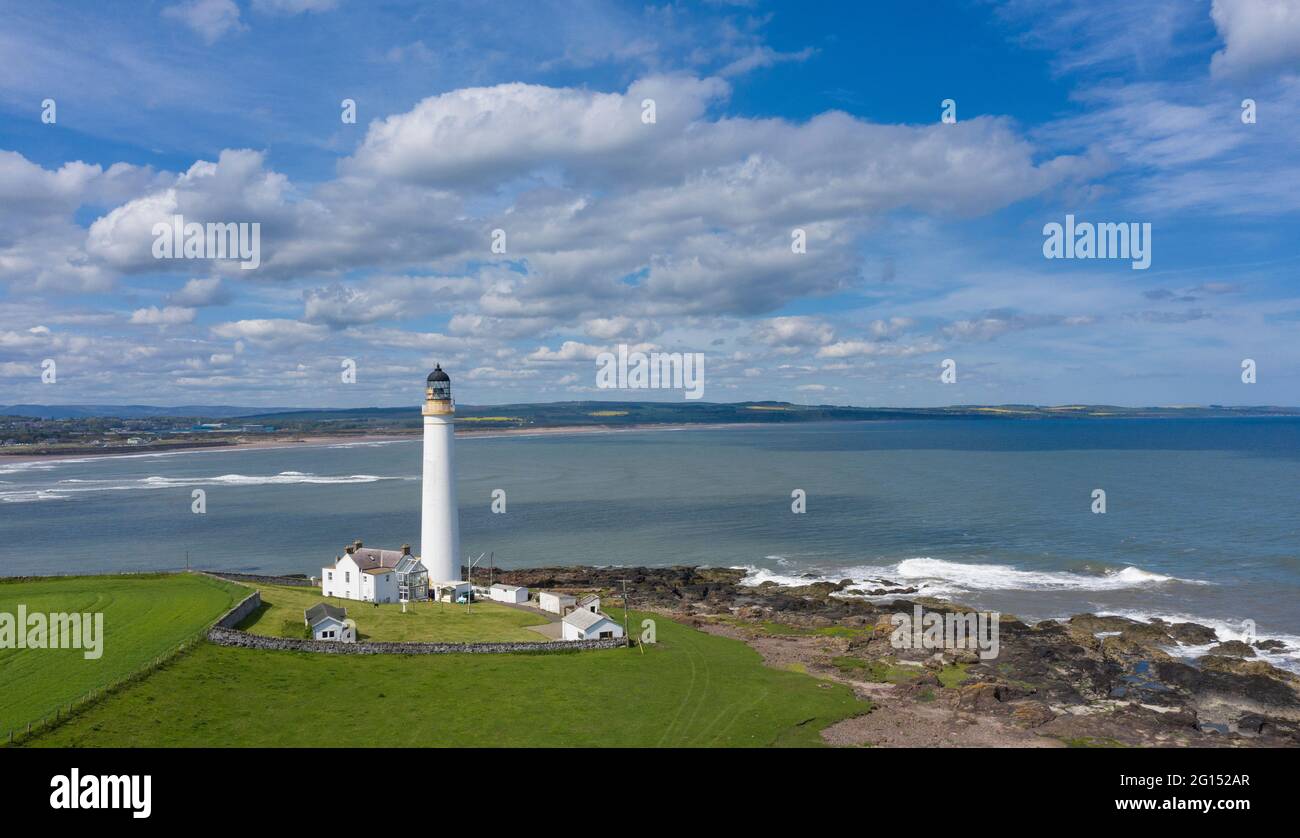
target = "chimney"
x: 357, y: 544
x: 406, y: 549
x: 350, y: 550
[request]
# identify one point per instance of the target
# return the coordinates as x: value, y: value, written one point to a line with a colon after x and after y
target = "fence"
x: 63, y: 712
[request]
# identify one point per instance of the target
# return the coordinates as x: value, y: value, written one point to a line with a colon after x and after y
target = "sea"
x: 1201, y: 520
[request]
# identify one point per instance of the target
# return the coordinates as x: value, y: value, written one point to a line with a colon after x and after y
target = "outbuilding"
x: 329, y: 622
x: 450, y: 591
x: 557, y: 603
x: 513, y: 594
x: 581, y: 624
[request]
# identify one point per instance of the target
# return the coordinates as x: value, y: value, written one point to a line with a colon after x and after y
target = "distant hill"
x: 127, y: 411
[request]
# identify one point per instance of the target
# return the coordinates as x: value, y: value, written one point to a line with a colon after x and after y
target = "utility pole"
x: 187, y: 561
x: 627, y: 639
x: 469, y: 598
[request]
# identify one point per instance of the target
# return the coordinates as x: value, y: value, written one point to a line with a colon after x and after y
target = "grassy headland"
x: 144, y: 617
x: 691, y: 689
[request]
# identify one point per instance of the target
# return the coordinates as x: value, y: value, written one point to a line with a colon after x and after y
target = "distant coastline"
x: 42, y: 431
x: 347, y: 439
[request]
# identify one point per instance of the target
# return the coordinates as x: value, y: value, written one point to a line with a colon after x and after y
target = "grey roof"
x: 500, y: 587
x: 560, y: 595
x: 589, y: 598
x: 321, y: 610
x: 583, y: 619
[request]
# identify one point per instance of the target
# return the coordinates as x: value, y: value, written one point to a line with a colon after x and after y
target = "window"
x: 606, y: 635
x: 329, y: 574
x: 347, y: 577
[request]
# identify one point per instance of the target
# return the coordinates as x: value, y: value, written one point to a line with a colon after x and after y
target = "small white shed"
x: 450, y: 591
x: 591, y: 603
x: 509, y: 593
x: 329, y: 622
x: 557, y: 603
x: 581, y: 624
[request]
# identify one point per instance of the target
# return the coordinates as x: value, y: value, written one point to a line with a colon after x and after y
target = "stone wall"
x: 262, y: 580
x: 224, y: 636
x: 236, y: 615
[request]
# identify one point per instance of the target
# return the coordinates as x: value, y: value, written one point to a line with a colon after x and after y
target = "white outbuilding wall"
x: 556, y: 603
x: 514, y: 594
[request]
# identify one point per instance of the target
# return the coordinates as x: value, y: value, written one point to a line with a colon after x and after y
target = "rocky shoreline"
x: 1086, y: 681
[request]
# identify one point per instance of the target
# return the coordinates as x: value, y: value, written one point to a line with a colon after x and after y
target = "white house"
x: 557, y: 603
x: 581, y: 624
x: 329, y: 622
x: 513, y: 594
x: 591, y: 603
x: 372, y: 575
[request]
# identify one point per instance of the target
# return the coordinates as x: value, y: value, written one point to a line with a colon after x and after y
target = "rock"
x: 1192, y: 634
x: 1235, y: 666
x: 1032, y: 714
x: 1270, y: 645
x: 1234, y: 649
x: 1177, y: 674
x: 976, y: 696
x: 1254, y: 723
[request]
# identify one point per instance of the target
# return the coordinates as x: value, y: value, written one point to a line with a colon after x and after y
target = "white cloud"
x: 293, y: 7
x: 209, y: 18
x: 166, y: 316
x: 793, y: 331
x: 1257, y: 35
x: 201, y: 292
x: 278, y: 333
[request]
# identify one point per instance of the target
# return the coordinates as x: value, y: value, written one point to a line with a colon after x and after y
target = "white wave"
x: 945, y: 580
x: 284, y: 478
x: 1287, y: 658
x: 29, y: 496
x: 991, y: 577
x: 75, y: 486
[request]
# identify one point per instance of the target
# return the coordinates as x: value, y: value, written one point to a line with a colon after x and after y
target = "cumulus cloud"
x: 793, y: 332
x: 1257, y: 35
x: 277, y: 333
x: 166, y: 316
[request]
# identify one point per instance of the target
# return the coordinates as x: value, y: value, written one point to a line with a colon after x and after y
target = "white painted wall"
x: 504, y: 594
x: 342, y: 580
x: 570, y: 632
x: 439, y: 518
x: 341, y: 631
x: 555, y: 603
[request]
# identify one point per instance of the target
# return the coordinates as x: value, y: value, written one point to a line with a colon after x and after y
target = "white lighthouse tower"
x: 439, y: 518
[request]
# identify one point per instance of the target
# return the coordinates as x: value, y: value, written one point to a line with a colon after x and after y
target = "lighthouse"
x: 439, y: 518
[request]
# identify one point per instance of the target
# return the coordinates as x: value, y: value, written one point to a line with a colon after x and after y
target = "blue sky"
x: 924, y: 238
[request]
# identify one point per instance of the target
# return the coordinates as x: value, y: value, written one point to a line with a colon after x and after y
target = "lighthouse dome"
x: 438, y: 375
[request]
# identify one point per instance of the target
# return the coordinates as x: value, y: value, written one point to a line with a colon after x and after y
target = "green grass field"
x: 691, y: 689
x: 144, y: 617
x: 442, y: 622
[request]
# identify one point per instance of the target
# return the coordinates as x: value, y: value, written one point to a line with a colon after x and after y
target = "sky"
x: 676, y: 229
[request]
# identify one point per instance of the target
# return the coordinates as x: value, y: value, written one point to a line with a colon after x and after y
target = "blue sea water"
x: 1202, y: 519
